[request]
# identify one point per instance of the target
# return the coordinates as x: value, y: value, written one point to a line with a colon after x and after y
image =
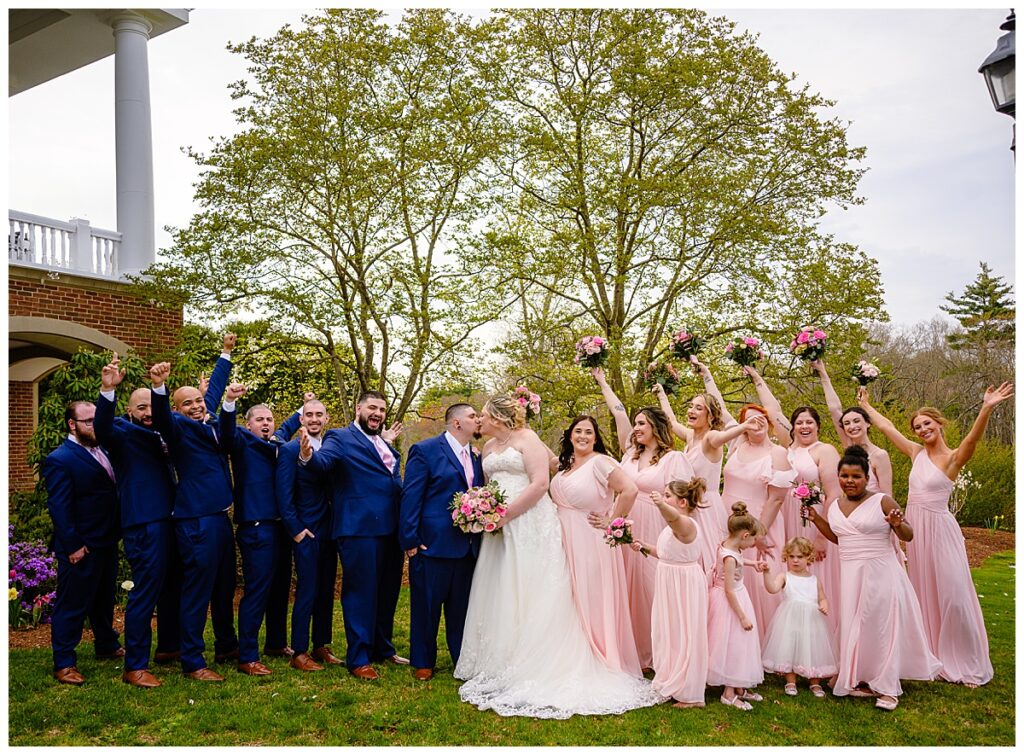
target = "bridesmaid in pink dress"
x: 881, y: 631
x: 651, y: 464
x: 757, y: 473
x: 679, y: 618
x: 937, y: 558
x: 587, y: 481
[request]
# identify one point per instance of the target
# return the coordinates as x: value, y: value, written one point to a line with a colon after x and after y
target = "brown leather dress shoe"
x: 303, y: 662
x: 398, y: 660
x: 366, y: 673
x: 140, y: 678
x: 285, y: 652
x: 69, y: 675
x: 254, y: 668
x: 324, y: 655
x: 119, y: 653
x: 231, y: 655
x: 423, y: 674
x: 163, y: 658
x: 204, y: 675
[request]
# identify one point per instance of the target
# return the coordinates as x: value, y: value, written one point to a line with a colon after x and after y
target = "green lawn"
x: 332, y: 708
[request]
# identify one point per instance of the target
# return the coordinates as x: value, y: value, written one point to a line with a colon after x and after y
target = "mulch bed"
x: 981, y: 543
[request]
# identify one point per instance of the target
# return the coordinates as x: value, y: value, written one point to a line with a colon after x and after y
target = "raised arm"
x: 623, y: 427
x: 718, y: 438
x: 227, y: 426
x: 219, y: 377
x: 287, y: 429
x: 535, y: 459
x: 163, y: 422
x: 769, y: 402
x: 967, y: 446
x: 711, y: 388
x: 682, y: 527
x: 106, y: 404
x: 681, y: 430
x: 887, y: 428
x: 835, y: 406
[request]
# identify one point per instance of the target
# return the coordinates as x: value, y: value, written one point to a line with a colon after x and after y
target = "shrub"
x: 32, y: 581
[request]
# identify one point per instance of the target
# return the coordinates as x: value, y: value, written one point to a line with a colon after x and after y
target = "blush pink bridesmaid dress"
x: 881, y: 632
x: 941, y: 576
x: 734, y: 653
x: 597, y: 570
x: 679, y: 620
x: 647, y: 526
x: 710, y: 517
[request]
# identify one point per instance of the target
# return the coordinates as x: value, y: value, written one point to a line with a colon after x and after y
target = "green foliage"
x: 986, y: 312
x: 27, y: 512
x: 992, y: 467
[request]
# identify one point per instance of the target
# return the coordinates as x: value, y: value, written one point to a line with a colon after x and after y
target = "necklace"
x: 507, y: 437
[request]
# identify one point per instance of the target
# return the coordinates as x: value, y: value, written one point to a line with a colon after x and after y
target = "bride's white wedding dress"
x: 524, y: 652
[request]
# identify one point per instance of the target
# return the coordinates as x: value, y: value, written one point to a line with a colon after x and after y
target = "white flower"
x: 127, y: 585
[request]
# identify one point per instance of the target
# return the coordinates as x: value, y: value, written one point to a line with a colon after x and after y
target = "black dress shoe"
x: 224, y: 657
x: 285, y: 652
x: 164, y: 657
x: 119, y: 653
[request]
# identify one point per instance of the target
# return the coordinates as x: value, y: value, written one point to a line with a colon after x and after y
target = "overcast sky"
x: 939, y: 188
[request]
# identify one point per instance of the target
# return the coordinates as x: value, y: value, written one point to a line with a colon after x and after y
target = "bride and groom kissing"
x: 511, y: 623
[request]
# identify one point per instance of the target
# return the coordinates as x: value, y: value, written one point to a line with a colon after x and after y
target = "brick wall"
x: 22, y: 423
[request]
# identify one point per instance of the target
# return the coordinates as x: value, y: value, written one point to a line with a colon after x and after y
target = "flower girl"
x: 799, y: 641
x: 733, y: 642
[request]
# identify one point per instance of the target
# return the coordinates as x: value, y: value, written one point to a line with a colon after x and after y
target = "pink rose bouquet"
x: 685, y: 344
x: 479, y: 509
x: 592, y: 351
x: 744, y: 351
x: 864, y: 372
x: 620, y: 532
x: 809, y: 344
x: 663, y: 374
x: 528, y: 400
x: 809, y: 494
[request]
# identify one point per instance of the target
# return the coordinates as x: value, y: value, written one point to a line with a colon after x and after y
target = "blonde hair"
x: 800, y: 546
x: 741, y: 521
x: 690, y: 492
x: 932, y: 413
x: 715, y: 418
x: 507, y: 411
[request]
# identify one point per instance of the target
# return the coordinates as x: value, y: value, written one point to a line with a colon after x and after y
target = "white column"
x: 134, y: 143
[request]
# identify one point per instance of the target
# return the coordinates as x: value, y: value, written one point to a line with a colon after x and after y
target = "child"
x: 679, y: 616
x: 734, y: 646
x: 799, y: 640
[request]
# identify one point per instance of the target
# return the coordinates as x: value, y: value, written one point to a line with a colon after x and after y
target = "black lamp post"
x: 999, y: 70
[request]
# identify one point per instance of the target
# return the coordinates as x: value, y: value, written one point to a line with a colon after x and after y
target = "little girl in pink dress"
x: 734, y: 647
x: 799, y: 640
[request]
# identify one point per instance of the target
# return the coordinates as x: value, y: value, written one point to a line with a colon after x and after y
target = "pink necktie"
x: 384, y: 451
x: 467, y: 466
x: 103, y: 460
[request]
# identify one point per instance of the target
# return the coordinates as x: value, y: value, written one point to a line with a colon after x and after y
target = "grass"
x: 333, y: 708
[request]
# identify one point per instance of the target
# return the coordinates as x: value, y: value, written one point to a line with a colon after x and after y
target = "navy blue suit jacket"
x: 81, y: 499
x: 302, y: 494
x: 253, y: 461
x: 365, y: 495
x: 145, y: 478
x: 433, y: 475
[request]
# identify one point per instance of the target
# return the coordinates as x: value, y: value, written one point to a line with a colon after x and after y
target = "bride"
x: 524, y: 652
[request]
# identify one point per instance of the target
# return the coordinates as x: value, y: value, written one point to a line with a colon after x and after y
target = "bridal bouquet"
x: 864, y: 372
x: 685, y: 344
x: 663, y: 374
x: 479, y: 509
x: 620, y: 532
x: 744, y: 351
x: 809, y: 494
x: 592, y: 351
x: 528, y: 400
x: 809, y: 344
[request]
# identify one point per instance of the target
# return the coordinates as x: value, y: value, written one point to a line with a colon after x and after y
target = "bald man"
x: 145, y: 484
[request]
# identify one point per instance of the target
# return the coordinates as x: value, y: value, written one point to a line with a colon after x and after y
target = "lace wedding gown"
x: 524, y: 652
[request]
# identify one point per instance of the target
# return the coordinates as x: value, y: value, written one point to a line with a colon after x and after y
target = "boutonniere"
x: 474, y: 451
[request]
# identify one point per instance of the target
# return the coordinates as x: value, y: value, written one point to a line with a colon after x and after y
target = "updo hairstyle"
x: 690, y: 491
x: 741, y: 521
x: 507, y: 411
x: 855, y: 456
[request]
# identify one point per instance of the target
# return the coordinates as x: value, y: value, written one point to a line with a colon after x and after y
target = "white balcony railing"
x: 74, y: 247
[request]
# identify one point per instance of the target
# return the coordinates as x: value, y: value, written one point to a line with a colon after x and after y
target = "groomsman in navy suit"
x: 366, y: 488
x: 304, y: 500
x: 145, y: 483
x: 202, y: 528
x: 265, y: 549
x: 441, y: 556
x: 82, y: 501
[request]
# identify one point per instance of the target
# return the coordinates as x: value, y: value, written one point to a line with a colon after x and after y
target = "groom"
x: 441, y: 556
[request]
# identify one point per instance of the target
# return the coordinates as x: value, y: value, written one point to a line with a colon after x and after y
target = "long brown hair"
x: 662, y: 434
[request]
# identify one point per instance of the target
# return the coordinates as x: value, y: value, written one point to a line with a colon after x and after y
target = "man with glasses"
x: 82, y: 501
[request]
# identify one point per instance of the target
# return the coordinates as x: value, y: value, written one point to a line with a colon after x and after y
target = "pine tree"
x: 986, y: 312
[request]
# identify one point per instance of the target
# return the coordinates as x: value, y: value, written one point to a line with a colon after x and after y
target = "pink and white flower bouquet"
x: 745, y: 350
x: 479, y: 509
x: 592, y: 351
x: 685, y: 344
x: 864, y: 372
x: 663, y: 374
x: 809, y: 494
x: 809, y: 343
x: 620, y: 532
x: 528, y: 400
